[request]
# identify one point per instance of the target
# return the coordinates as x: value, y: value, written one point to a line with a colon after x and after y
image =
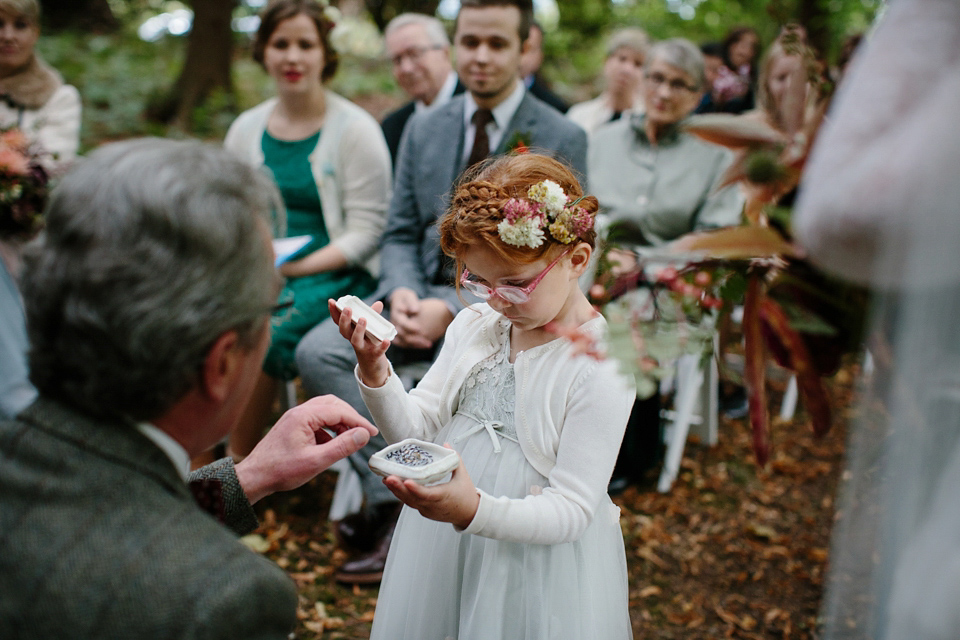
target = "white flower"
x: 550, y: 195
x: 332, y: 14
x: 525, y: 232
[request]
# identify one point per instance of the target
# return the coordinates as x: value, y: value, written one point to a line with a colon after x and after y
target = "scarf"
x: 31, y: 86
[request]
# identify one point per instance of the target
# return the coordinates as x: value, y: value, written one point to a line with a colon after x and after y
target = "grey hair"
x: 29, y: 9
x: 682, y: 54
x: 631, y: 38
x: 152, y: 250
x: 436, y: 33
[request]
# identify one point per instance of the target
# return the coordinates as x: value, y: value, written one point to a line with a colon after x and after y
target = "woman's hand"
x: 374, y: 368
x: 455, y: 502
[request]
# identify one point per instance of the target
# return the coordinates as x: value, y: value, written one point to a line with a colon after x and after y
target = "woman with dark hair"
x: 330, y: 161
x: 733, y: 89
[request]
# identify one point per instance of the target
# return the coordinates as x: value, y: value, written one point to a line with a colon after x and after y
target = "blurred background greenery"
x: 133, y: 60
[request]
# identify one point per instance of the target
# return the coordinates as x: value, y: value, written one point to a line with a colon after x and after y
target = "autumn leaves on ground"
x: 731, y: 552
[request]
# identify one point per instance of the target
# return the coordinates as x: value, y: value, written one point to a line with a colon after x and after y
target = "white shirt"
x: 502, y: 114
x: 443, y: 96
x: 177, y: 454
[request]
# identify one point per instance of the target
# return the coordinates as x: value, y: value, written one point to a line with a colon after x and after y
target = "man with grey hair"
x: 148, y: 298
x: 419, y: 49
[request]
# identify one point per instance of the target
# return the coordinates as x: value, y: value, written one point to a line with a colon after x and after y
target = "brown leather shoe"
x: 367, y: 568
x: 361, y: 531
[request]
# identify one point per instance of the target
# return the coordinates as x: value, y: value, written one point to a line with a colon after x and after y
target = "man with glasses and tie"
x: 419, y: 50
x: 495, y: 115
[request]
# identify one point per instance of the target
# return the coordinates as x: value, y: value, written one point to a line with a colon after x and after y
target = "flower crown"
x: 547, y: 209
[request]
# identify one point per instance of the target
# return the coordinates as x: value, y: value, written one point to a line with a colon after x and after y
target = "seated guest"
x: 329, y: 159
x: 47, y: 111
x: 148, y: 301
x: 419, y: 50
x: 788, y: 60
x: 650, y: 175
x: 35, y: 98
x: 733, y: 89
x: 623, y: 78
x: 530, y: 64
x: 712, y: 61
x: 647, y: 170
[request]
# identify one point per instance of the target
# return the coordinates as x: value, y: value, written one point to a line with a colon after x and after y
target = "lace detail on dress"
x: 487, y: 397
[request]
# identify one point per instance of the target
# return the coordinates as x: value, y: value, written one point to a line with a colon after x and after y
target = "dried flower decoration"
x: 549, y: 210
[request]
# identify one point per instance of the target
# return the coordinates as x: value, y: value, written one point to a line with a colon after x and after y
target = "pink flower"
x: 13, y: 162
x: 15, y: 139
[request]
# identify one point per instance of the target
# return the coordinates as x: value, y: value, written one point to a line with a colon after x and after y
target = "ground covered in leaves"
x: 732, y: 551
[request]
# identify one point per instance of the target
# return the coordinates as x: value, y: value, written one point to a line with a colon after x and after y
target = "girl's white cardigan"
x: 570, y: 412
x: 350, y: 164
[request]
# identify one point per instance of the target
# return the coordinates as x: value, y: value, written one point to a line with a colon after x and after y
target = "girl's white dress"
x: 442, y: 584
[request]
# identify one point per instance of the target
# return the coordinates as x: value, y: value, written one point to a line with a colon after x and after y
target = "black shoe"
x: 733, y: 404
x: 367, y: 568
x: 618, y: 485
x: 361, y: 531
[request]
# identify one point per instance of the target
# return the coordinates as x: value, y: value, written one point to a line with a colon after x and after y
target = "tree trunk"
x: 207, y: 64
x: 81, y: 15
x: 815, y: 17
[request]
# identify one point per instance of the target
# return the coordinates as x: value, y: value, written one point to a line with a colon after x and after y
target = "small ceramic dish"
x: 377, y: 326
x: 423, y: 462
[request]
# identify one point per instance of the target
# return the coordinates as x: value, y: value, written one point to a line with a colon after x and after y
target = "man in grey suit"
x: 148, y: 300
x: 494, y: 116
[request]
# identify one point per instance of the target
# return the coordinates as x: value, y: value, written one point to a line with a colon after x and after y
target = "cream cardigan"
x: 571, y: 412
x: 350, y: 164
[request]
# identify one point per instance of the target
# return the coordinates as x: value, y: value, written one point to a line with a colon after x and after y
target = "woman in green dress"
x: 330, y: 161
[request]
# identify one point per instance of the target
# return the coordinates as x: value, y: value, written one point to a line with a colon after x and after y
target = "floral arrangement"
x: 793, y: 314
x: 547, y: 209
x: 24, y: 185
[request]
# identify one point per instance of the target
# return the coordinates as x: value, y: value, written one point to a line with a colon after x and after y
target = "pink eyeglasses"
x: 513, y: 295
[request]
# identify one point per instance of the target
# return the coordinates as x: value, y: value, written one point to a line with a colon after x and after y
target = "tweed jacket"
x: 101, y: 538
x: 429, y: 164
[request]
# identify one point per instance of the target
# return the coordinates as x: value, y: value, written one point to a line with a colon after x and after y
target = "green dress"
x: 289, y: 163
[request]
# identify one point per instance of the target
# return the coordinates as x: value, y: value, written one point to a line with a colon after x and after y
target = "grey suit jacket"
x: 101, y: 538
x: 429, y: 163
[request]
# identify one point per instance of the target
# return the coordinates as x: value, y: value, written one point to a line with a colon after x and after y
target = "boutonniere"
x: 519, y: 142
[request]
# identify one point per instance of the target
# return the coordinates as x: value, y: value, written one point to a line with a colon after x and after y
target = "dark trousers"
x: 642, y: 448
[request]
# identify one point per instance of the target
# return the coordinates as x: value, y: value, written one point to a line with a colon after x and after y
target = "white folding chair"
x: 695, y: 410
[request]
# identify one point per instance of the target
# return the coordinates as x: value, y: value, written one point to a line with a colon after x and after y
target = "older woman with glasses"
x: 655, y: 182
x: 648, y: 172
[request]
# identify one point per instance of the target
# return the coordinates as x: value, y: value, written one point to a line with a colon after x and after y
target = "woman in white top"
x: 34, y: 99
x: 623, y: 77
x: 33, y: 96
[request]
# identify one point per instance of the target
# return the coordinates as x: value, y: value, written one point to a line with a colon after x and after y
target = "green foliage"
x: 116, y: 75
x: 575, y: 48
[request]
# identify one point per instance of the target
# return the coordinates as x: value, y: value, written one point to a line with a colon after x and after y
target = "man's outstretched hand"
x: 298, y: 448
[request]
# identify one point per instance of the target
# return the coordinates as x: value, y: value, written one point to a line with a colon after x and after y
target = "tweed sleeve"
x: 238, y: 513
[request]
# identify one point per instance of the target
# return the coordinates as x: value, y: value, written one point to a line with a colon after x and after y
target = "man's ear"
x: 580, y: 258
x: 221, y: 366
x: 525, y: 46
